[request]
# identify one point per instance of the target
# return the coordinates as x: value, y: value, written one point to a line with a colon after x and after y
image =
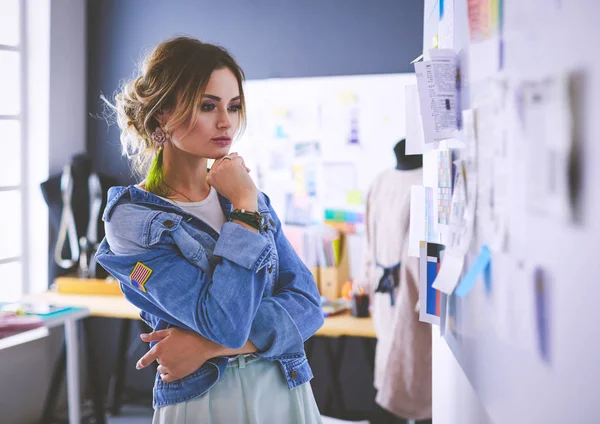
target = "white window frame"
x: 21, y: 117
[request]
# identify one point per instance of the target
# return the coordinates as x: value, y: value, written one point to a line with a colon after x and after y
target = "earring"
x: 159, y: 136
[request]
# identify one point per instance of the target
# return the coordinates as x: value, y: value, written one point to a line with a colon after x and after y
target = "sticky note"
x: 354, y: 197
x: 478, y: 267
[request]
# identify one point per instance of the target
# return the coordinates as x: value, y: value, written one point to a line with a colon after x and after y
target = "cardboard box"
x: 315, y: 273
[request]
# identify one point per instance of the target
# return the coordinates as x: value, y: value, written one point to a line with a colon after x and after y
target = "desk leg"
x: 55, y: 385
x: 118, y: 379
x: 92, y: 368
x: 73, y: 390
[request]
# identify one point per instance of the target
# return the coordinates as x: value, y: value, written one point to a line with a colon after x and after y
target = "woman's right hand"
x: 178, y: 352
x: 231, y: 179
x: 181, y: 352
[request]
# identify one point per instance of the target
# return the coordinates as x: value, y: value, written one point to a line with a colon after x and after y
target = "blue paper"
x: 487, y: 279
x: 478, y: 267
x: 431, y: 292
x: 541, y: 313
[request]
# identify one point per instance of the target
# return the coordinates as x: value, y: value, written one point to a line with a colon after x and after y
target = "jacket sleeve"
x: 173, y: 279
x: 293, y: 314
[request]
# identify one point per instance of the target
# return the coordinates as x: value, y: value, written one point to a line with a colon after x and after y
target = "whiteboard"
x: 334, y: 112
x: 497, y: 348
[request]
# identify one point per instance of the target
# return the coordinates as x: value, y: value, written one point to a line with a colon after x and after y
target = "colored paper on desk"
x: 477, y: 269
x: 11, y: 324
x: 41, y: 309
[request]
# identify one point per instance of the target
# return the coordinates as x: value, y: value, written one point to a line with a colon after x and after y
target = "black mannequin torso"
x: 406, y: 162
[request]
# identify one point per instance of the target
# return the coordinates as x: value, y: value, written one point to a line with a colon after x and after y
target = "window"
x: 13, y: 162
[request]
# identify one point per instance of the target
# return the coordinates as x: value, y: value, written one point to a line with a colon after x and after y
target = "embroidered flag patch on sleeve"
x: 140, y: 275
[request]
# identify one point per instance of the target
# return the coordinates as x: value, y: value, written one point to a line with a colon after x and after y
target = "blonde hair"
x: 173, y: 77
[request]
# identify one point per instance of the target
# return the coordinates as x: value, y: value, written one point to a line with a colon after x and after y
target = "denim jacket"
x: 228, y: 287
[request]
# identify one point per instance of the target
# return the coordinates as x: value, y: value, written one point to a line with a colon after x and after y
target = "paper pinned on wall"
x: 436, y: 83
x: 515, y: 304
x: 462, y: 210
x: 414, y: 124
x: 444, y: 185
x: 484, y: 59
x: 449, y: 274
x: 430, y: 220
x: 493, y: 155
x: 429, y: 261
x: 485, y: 49
x: 446, y: 25
x: 462, y: 213
x: 460, y: 230
x: 417, y: 219
x: 426, y: 90
x: 484, y: 19
x: 341, y: 179
x: 548, y: 126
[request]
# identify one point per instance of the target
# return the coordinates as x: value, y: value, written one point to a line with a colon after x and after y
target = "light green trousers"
x: 252, y: 391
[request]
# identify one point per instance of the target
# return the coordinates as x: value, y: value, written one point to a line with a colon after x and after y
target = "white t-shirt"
x: 208, y: 210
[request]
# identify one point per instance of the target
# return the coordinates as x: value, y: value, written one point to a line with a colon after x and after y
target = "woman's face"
x: 216, y: 121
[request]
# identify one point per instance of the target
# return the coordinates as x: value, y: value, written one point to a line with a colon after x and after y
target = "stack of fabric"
x: 11, y: 323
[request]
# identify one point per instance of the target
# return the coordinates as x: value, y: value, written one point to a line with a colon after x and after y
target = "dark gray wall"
x: 269, y: 38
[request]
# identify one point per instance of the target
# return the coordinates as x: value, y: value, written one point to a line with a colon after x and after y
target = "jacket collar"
x: 143, y: 197
x: 139, y: 196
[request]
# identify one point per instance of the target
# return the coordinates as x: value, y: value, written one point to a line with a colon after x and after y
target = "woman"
x: 204, y: 252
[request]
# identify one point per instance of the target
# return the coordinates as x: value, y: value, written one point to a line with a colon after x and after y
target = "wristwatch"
x: 254, y: 219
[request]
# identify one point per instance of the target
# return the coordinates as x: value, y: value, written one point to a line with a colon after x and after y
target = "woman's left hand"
x: 178, y: 352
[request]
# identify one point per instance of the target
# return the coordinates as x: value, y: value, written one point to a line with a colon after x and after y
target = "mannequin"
x: 390, y: 279
x: 403, y: 353
x: 81, y: 168
x: 406, y: 162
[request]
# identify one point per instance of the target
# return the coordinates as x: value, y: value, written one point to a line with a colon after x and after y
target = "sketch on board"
x: 492, y: 163
x: 547, y: 124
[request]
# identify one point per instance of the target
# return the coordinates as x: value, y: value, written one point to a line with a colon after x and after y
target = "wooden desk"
x: 107, y: 306
x: 69, y: 320
x: 118, y: 307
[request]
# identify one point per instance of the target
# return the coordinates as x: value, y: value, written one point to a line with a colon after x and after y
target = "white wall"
x: 454, y: 399
x: 55, y: 131
x: 499, y: 352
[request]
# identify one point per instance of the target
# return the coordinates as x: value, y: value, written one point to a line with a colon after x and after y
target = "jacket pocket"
x: 166, y: 227
x: 158, y: 224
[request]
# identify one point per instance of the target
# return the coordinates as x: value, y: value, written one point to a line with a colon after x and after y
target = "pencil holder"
x: 360, y: 305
